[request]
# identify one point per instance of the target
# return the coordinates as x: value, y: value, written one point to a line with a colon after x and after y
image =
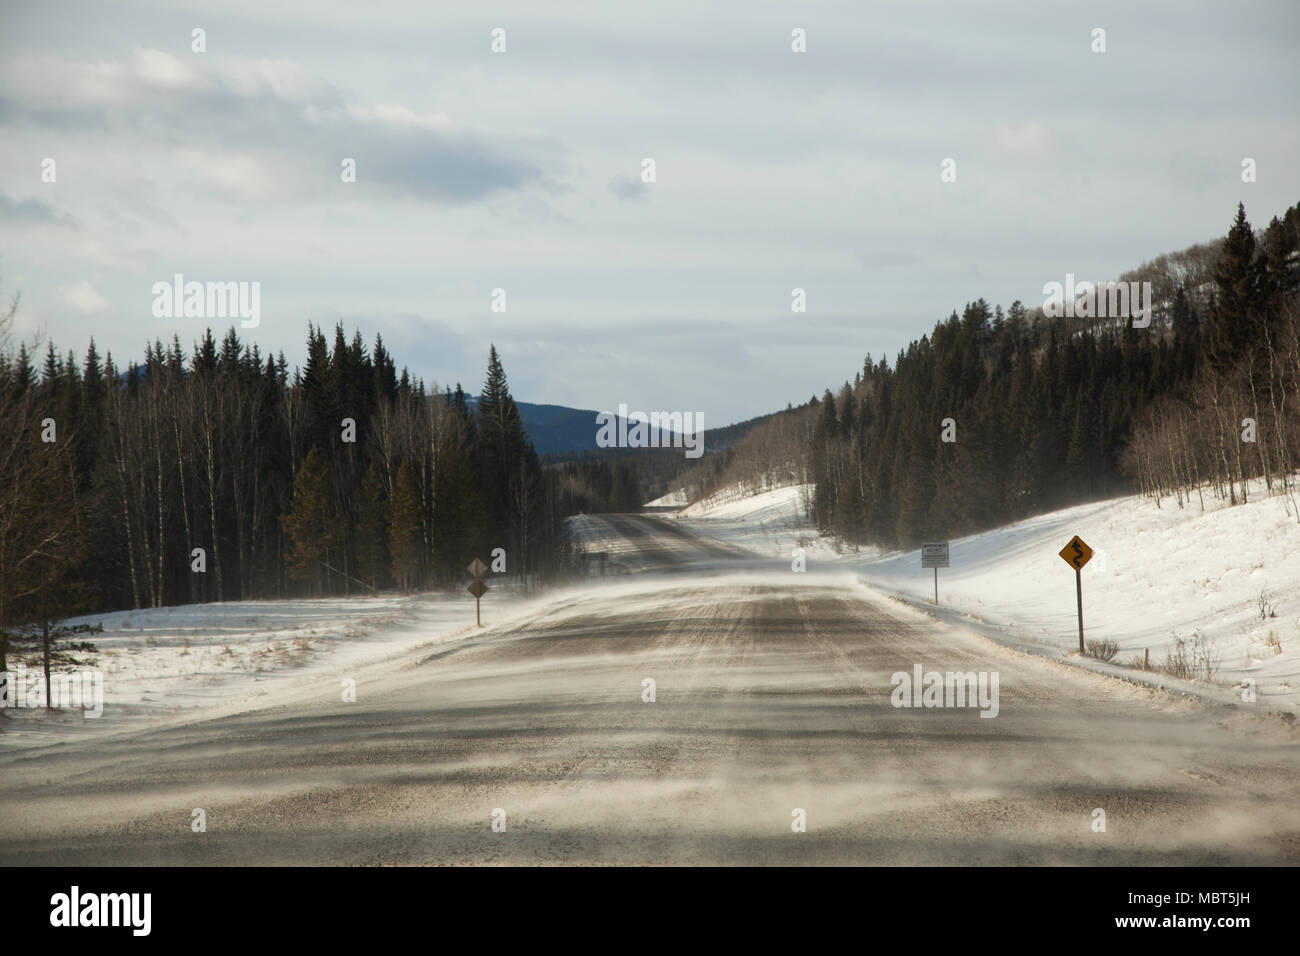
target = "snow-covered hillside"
x: 1226, y: 582
x: 674, y: 499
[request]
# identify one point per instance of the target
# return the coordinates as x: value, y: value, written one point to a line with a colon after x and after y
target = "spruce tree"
x: 1239, y: 282
x: 311, y: 522
x: 510, y: 470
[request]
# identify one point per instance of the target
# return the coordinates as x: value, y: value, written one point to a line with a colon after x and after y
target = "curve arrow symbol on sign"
x: 1077, y: 553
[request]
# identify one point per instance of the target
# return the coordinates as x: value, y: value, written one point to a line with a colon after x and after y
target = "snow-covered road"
x: 774, y: 705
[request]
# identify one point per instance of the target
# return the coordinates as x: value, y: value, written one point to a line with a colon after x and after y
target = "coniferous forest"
x: 219, y: 475
x: 1048, y: 412
x: 996, y: 416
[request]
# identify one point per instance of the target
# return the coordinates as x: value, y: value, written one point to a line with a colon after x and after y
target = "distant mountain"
x: 556, y: 429
x: 560, y: 430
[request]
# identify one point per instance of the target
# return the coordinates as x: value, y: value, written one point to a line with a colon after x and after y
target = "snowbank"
x: 764, y: 508
x: 160, y: 663
x: 674, y: 499
x: 1159, y: 575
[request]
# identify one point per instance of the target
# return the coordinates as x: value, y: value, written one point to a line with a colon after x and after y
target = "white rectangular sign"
x: 934, y: 555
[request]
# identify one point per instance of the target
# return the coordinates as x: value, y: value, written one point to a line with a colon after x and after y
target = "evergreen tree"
x: 1239, y: 282
x: 824, y: 440
x: 511, y: 473
x: 311, y: 522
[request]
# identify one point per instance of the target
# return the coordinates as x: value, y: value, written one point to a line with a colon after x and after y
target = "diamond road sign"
x: 477, y: 568
x: 1076, y: 554
x: 477, y: 588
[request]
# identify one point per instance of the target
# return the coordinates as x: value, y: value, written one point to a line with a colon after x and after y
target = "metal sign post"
x: 1076, y: 554
x: 477, y: 588
x: 935, y: 556
x: 1078, y: 597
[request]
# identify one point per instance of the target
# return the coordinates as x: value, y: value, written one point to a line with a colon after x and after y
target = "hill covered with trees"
x: 995, y: 416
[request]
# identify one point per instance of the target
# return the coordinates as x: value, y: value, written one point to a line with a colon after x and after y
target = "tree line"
x: 220, y: 475
x: 996, y: 416
x: 1236, y: 417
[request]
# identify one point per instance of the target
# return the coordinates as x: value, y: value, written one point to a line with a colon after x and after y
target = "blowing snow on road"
x: 706, y: 708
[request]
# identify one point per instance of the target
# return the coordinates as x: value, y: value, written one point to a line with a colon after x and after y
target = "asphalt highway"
x: 772, y: 738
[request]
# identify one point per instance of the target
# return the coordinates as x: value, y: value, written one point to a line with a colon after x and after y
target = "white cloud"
x: 284, y: 79
x: 234, y: 173
x: 85, y: 297
x: 1026, y: 138
x: 164, y: 69
x: 403, y: 116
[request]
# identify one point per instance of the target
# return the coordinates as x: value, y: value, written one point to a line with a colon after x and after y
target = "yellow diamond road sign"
x: 477, y: 568
x: 1076, y: 554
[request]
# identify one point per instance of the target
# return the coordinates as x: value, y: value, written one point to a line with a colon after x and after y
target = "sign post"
x: 935, y: 556
x: 1076, y: 554
x: 477, y: 588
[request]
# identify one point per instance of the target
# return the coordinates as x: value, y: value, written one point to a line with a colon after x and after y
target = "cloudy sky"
x: 521, y: 170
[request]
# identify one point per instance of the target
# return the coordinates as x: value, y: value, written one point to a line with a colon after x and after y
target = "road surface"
x: 772, y: 703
